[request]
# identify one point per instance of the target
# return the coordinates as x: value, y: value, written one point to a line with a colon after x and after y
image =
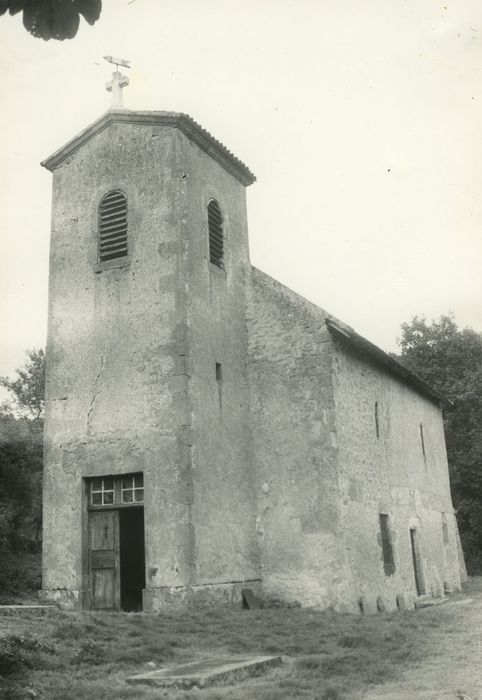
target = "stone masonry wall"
x: 294, y: 447
x: 388, y: 474
x: 268, y: 468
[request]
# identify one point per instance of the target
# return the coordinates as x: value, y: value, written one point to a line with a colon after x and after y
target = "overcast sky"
x: 361, y: 120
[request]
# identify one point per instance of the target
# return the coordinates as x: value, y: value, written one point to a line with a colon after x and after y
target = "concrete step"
x: 201, y: 674
x: 426, y: 601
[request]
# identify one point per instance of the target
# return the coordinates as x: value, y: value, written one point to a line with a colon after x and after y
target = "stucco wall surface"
x: 294, y: 446
x: 116, y: 356
x: 254, y: 428
x: 223, y: 509
x: 389, y: 474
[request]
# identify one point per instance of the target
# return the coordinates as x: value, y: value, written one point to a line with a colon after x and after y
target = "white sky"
x: 361, y: 120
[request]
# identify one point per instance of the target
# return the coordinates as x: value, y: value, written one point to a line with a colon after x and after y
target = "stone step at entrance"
x: 19, y: 609
x: 426, y: 601
x: 201, y: 674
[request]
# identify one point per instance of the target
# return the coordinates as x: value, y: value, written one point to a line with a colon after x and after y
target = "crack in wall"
x: 95, y: 393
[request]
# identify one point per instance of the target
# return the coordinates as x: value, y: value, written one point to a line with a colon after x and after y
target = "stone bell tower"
x: 147, y: 491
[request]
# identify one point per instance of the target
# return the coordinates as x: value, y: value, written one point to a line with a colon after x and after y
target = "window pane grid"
x: 132, y: 489
x: 102, y: 492
x: 111, y: 490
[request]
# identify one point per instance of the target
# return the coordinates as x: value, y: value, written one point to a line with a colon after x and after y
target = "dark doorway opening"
x: 416, y: 563
x: 132, y: 558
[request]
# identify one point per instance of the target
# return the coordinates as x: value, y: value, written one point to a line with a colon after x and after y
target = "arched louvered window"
x: 216, y: 235
x: 112, y: 226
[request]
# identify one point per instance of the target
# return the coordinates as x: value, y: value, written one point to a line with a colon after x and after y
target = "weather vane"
x: 118, y: 81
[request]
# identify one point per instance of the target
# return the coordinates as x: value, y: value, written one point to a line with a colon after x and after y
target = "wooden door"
x: 104, y: 560
x: 416, y: 563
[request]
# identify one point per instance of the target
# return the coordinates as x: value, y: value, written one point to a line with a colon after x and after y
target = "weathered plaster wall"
x: 388, y: 474
x: 294, y: 447
x: 223, y: 511
x: 272, y: 471
x: 116, y: 392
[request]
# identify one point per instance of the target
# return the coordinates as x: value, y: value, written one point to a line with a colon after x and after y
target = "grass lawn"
x: 327, y: 655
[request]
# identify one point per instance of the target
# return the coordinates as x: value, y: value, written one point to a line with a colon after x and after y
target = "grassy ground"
x: 327, y: 656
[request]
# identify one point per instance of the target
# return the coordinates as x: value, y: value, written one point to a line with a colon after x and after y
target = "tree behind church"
x: 450, y: 360
x: 21, y: 436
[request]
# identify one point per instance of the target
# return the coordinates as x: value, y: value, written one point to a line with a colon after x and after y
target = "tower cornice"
x: 183, y: 122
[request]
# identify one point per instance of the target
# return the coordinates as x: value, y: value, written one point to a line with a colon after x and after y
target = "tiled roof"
x: 347, y: 335
x: 184, y: 122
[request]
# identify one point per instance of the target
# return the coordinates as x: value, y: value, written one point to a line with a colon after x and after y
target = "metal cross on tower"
x: 118, y: 81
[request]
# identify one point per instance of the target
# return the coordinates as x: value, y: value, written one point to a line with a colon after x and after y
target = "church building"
x: 207, y: 429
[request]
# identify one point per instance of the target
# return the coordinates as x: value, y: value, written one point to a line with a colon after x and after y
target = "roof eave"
x: 182, y: 121
x: 353, y: 339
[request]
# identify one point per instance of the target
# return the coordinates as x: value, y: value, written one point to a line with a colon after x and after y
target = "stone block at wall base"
x: 214, y: 594
x: 65, y: 598
x: 368, y: 606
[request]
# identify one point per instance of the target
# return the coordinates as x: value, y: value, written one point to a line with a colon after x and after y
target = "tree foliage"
x: 53, y: 19
x: 450, y: 360
x: 21, y: 456
x: 28, y: 388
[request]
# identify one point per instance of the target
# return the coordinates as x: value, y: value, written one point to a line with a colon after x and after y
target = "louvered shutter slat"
x: 216, y: 234
x: 118, y: 225
x: 113, y: 226
x: 113, y: 242
x: 119, y: 212
x: 114, y: 196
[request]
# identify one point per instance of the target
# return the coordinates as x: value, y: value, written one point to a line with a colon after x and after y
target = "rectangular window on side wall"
x: 445, y: 529
x: 387, y: 549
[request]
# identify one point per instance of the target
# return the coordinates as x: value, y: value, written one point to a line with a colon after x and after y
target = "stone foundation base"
x: 215, y: 594
x: 65, y: 598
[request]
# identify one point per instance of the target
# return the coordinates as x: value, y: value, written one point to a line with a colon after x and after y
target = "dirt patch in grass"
x: 327, y: 656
